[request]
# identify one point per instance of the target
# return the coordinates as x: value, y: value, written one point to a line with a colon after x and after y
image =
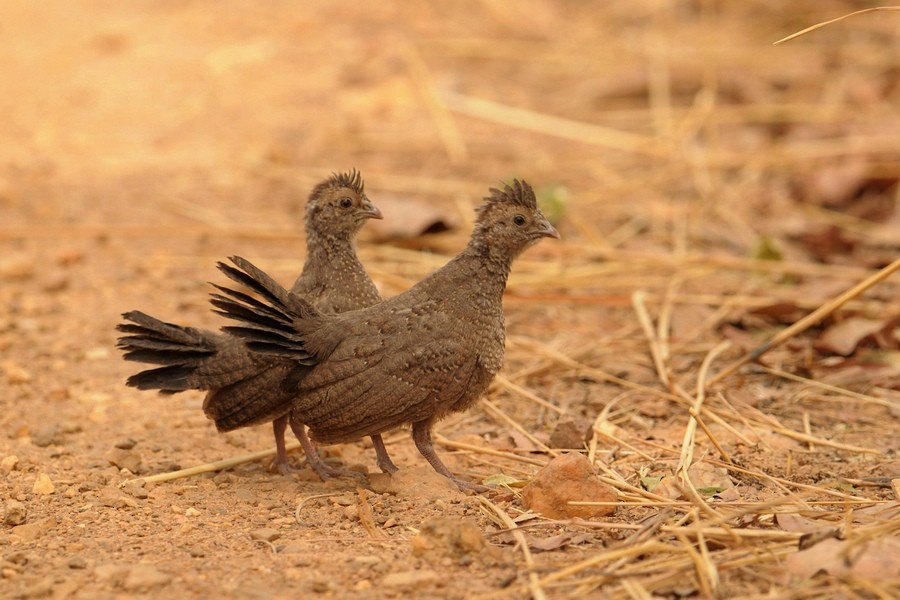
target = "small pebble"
x: 136, y: 487
x: 266, y: 534
x: 15, y: 513
x: 124, y: 459
x: 43, y: 485
x: 98, y: 353
x: 126, y: 444
x: 45, y: 436
x: 9, y: 463
x: 15, y: 373
x: 77, y: 562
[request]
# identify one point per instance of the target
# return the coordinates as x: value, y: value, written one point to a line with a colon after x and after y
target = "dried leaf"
x: 501, y: 479
x: 557, y: 541
x: 766, y: 249
x: 521, y: 442
x: 875, y: 561
x: 650, y: 483
x: 709, y: 479
x: 405, y: 219
x: 843, y: 338
x: 828, y: 242
x: 796, y: 523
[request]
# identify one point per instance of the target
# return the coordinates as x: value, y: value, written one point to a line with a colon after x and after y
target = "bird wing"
x: 257, y: 398
x: 402, y: 368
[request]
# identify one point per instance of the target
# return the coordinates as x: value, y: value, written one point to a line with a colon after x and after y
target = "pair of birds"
x: 329, y: 354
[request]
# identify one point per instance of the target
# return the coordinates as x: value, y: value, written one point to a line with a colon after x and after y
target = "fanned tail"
x: 267, y: 325
x: 181, y: 350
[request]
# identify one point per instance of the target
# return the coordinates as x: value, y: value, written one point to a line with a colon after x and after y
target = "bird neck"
x: 479, y: 271
x: 493, y: 259
x: 318, y: 236
x: 331, y: 251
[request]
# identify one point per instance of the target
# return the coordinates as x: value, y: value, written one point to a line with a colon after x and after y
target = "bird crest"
x: 352, y: 180
x: 518, y: 194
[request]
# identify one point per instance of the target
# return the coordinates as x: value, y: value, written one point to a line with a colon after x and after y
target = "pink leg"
x: 383, y: 460
x: 421, y: 433
x: 280, y: 464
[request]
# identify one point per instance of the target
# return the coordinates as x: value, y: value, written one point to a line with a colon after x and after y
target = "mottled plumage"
x: 237, y: 380
x: 413, y: 358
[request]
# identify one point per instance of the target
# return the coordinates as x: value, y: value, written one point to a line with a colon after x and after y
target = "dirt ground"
x: 709, y: 188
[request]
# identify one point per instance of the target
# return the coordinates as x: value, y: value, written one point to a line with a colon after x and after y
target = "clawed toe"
x: 281, y: 467
x: 468, y: 485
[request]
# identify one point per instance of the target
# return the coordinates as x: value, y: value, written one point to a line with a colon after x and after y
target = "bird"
x: 412, y: 359
x: 333, y: 280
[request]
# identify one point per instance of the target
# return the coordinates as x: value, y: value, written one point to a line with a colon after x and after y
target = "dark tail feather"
x: 179, y: 349
x: 267, y: 325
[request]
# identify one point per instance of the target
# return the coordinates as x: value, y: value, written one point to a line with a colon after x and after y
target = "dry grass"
x: 678, y: 141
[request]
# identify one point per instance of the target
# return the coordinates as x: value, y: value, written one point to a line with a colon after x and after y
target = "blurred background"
x: 708, y: 186
x: 167, y: 113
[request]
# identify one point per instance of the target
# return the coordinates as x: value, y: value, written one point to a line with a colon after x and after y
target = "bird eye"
x: 519, y: 220
x: 346, y: 202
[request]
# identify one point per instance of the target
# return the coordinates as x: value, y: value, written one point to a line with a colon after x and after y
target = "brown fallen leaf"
x: 521, y: 442
x: 406, y: 219
x: 826, y: 243
x: 797, y: 524
x: 709, y: 479
x: 876, y: 560
x: 844, y: 338
x: 556, y: 542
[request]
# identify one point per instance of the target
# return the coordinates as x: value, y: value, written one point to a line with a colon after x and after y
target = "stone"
x: 45, y: 436
x: 126, y: 444
x: 31, y: 531
x: 135, y: 487
x: 43, y: 485
x: 16, y: 513
x: 124, y: 459
x: 15, y: 374
x: 571, y: 432
x: 569, y: 477
x: 265, y: 534
x: 9, y: 463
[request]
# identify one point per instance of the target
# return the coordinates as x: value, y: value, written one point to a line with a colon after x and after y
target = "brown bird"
x: 333, y: 280
x: 413, y: 358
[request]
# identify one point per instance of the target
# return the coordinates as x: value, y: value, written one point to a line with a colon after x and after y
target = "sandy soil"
x: 140, y: 142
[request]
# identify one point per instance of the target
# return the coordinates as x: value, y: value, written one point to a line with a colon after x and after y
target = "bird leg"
x: 383, y: 461
x: 312, y: 455
x: 280, y: 463
x: 421, y: 433
x: 315, y: 461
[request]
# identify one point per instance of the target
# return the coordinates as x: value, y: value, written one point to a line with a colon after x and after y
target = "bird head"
x: 510, y: 221
x: 339, y: 206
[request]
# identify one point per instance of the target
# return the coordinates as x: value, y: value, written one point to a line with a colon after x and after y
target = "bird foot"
x: 282, y: 467
x: 325, y: 472
x: 387, y: 467
x: 468, y: 485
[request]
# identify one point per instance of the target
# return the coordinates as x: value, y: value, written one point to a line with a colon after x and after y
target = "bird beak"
x: 371, y: 212
x: 548, y: 230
